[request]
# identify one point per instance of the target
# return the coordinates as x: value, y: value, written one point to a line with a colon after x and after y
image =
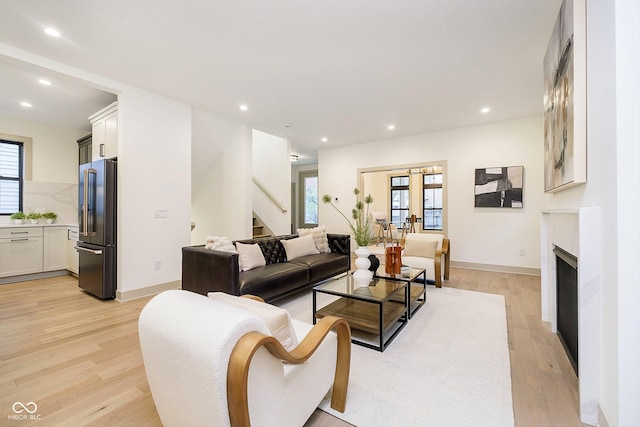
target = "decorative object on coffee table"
x: 363, y: 275
x: 361, y: 229
x: 375, y: 263
x: 393, y: 259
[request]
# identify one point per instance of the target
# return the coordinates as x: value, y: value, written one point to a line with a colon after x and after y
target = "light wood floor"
x: 79, y: 360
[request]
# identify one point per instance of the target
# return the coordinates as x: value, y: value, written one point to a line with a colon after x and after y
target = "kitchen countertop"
x: 55, y: 224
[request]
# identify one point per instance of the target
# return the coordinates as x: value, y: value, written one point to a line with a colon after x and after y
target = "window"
x: 432, y: 198
x: 11, y: 177
x: 399, y: 199
x: 308, y: 199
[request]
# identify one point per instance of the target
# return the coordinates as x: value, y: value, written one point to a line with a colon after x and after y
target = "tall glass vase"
x: 362, y: 276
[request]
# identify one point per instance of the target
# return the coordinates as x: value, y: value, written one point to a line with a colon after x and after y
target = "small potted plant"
x: 34, y: 217
x: 18, y: 217
x: 50, y: 217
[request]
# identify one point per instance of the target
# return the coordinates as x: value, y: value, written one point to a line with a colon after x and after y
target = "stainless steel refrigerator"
x: 97, y: 218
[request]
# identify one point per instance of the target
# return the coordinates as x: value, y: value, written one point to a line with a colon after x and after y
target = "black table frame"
x: 409, y: 280
x: 383, y: 344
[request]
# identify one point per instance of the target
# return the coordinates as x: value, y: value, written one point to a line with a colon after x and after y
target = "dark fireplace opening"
x: 567, y: 303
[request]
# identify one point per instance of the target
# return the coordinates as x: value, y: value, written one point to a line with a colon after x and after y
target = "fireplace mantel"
x: 577, y: 231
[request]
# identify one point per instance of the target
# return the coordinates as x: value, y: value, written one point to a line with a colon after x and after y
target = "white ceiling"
x: 64, y: 103
x: 339, y: 69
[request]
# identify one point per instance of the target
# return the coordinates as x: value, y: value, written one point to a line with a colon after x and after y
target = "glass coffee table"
x: 376, y: 313
x: 417, y: 291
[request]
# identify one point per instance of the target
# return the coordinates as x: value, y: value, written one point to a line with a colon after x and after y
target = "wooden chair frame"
x: 446, y: 251
x: 245, y: 348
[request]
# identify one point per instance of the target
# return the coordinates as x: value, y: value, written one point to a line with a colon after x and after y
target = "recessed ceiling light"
x: 243, y: 107
x: 391, y: 127
x: 44, y: 82
x: 25, y: 104
x: 485, y: 110
x: 324, y: 139
x: 52, y: 32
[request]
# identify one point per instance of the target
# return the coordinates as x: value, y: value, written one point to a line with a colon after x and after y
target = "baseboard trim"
x: 499, y: 268
x: 124, y: 296
x: 34, y: 276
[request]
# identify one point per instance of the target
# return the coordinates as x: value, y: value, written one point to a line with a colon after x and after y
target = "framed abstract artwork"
x: 565, y: 126
x: 499, y: 187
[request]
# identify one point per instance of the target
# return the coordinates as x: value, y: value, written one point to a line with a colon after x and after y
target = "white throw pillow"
x: 420, y: 248
x: 319, y: 237
x: 277, y: 319
x: 250, y: 256
x: 300, y: 246
x: 220, y: 244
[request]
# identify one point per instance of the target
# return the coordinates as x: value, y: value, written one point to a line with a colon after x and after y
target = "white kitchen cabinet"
x: 72, y: 254
x: 20, y: 251
x: 104, y: 130
x: 55, y: 248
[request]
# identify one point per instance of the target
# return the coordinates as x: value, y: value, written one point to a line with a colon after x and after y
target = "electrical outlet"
x: 156, y: 264
x: 523, y: 252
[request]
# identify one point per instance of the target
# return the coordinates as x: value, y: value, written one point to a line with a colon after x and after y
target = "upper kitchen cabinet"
x: 84, y: 150
x: 104, y: 131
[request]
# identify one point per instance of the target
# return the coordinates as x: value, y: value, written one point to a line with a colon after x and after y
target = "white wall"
x: 154, y: 172
x: 483, y: 236
x: 271, y: 166
x: 54, y: 150
x: 627, y: 17
x: 221, y: 204
x: 612, y: 184
x: 54, y: 168
x: 376, y: 184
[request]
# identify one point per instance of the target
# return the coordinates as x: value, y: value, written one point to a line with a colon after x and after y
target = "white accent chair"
x: 210, y: 363
x: 429, y: 251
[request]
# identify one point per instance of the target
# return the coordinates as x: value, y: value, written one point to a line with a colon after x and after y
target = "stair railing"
x: 269, y: 195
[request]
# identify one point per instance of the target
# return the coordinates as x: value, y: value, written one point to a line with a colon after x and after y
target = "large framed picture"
x: 565, y: 111
x: 499, y: 187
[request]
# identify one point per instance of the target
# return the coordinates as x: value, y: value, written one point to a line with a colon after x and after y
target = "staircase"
x: 259, y: 229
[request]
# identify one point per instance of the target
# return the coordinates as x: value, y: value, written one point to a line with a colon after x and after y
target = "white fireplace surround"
x: 577, y: 231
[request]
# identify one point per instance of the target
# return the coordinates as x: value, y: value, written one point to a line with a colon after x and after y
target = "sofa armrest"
x: 206, y: 270
x: 339, y: 243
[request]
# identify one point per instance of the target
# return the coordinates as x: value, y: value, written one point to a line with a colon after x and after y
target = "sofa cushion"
x: 273, y: 280
x: 322, y: 266
x: 420, y: 248
x: 250, y: 256
x: 277, y: 319
x: 299, y: 246
x: 319, y: 237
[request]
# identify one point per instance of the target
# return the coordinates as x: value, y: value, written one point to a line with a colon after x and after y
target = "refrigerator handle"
x: 85, y: 202
x: 95, y: 252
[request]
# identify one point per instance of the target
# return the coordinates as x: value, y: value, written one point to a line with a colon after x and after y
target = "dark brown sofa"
x: 206, y: 270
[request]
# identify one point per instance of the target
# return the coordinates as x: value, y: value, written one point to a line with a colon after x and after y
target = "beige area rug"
x: 448, y: 367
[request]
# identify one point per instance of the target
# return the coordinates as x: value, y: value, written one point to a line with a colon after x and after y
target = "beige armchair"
x: 213, y: 363
x: 430, y: 251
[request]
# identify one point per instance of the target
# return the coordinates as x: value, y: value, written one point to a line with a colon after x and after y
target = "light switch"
x: 160, y: 213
